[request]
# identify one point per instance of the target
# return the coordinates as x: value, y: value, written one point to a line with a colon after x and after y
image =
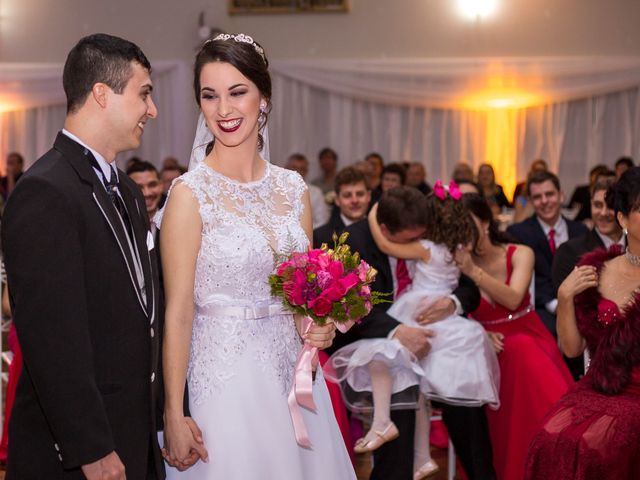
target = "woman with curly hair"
x: 461, y: 367
x: 594, y: 430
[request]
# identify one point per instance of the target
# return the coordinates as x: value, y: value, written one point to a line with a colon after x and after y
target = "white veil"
x: 204, y: 136
x: 198, y: 154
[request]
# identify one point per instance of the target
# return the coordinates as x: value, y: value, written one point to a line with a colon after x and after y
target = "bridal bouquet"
x: 326, y: 284
x: 323, y: 285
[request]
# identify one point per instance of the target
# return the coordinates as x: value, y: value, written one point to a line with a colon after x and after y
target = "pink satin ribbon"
x: 301, y: 394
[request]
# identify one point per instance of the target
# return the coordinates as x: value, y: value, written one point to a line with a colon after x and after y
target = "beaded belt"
x: 246, y: 312
x: 509, y: 318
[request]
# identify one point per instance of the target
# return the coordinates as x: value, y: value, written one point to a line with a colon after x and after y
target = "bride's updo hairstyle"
x: 248, y: 57
x: 448, y: 222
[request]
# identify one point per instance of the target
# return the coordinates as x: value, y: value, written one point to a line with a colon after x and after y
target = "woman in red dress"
x: 593, y: 432
x: 533, y: 373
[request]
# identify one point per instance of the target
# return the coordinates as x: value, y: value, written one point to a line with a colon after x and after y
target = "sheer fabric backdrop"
x: 583, y: 111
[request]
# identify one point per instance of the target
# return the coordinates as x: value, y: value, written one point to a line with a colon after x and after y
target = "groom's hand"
x: 107, y: 468
x: 414, y: 339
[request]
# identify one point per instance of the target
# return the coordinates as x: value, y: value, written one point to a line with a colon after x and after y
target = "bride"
x: 224, y: 333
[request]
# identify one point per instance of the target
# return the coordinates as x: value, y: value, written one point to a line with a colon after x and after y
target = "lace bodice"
x: 243, y: 226
x: 439, y: 276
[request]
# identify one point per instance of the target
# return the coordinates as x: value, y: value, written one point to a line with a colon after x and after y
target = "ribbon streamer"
x: 301, y: 393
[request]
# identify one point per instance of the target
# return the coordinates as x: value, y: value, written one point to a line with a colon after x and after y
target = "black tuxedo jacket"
x: 324, y: 233
x: 530, y: 233
x: 378, y: 323
x: 87, y: 329
x: 568, y: 254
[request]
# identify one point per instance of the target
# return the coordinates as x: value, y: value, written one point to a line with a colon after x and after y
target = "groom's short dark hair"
x: 401, y: 208
x: 99, y: 58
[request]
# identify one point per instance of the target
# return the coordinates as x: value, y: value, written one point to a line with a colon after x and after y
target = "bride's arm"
x: 180, y: 237
x: 409, y: 251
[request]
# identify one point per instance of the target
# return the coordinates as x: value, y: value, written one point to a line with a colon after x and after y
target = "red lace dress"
x: 533, y: 378
x: 591, y: 434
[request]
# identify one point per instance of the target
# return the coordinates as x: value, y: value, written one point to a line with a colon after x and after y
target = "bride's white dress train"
x: 244, y: 347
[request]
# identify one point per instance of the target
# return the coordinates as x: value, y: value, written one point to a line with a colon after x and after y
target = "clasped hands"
x: 183, y: 442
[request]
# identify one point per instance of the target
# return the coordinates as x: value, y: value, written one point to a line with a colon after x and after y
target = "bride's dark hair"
x: 246, y: 58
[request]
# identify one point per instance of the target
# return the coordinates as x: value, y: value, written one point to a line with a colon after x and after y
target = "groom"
x: 401, y: 220
x: 82, y: 267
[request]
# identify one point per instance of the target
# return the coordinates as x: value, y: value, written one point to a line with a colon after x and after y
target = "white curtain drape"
x: 32, y: 111
x: 575, y: 112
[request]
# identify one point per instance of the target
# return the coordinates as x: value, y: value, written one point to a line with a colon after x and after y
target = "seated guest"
x: 352, y: 200
x: 462, y: 171
x: 490, y: 190
x: 593, y: 432
x: 606, y: 232
x: 417, y: 177
x: 319, y: 208
x: 15, y: 165
x: 622, y: 165
x: 467, y: 186
x: 502, y: 270
x: 377, y: 163
x: 328, y: 161
x: 520, y: 190
x: 168, y: 175
x: 544, y: 232
x: 393, y: 175
x: 147, y: 178
x: 581, y: 195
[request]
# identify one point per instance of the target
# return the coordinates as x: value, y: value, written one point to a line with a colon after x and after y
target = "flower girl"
x: 461, y: 367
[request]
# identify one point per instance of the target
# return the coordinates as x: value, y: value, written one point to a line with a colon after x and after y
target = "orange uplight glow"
x: 500, y: 96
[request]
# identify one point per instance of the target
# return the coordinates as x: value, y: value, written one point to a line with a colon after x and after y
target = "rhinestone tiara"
x: 240, y: 37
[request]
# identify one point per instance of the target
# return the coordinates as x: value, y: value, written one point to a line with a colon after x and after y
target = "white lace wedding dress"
x: 244, y: 347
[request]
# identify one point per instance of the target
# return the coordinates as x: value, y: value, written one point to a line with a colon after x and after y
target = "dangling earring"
x: 262, y: 117
x: 625, y: 231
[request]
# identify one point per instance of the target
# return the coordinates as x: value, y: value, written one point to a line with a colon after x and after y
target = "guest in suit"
x: 146, y: 176
x: 84, y: 288
x: 581, y: 196
x: 417, y: 177
x: 606, y: 232
x: 319, y: 208
x: 352, y: 201
x: 544, y: 232
x: 399, y: 211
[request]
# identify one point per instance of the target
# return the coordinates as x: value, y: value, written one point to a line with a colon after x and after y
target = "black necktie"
x: 112, y: 190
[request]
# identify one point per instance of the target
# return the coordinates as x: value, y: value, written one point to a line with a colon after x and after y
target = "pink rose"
x: 336, y: 269
x: 363, y: 268
x: 365, y: 291
x: 349, y: 281
x: 335, y: 292
x: 321, y: 306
